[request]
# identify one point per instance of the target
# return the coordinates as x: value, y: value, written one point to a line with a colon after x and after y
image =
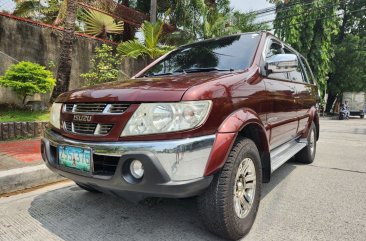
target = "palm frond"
x: 61, y: 13
x: 132, y: 49
x: 99, y: 24
x: 151, y: 33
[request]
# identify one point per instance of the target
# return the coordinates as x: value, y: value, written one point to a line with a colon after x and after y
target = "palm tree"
x: 150, y: 47
x: 64, y: 64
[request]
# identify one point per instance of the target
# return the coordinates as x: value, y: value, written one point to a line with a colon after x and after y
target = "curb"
x: 26, y: 177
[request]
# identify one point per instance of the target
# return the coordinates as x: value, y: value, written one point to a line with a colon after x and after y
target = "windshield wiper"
x: 205, y: 70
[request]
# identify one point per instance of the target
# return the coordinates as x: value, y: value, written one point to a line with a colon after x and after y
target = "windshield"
x: 224, y: 54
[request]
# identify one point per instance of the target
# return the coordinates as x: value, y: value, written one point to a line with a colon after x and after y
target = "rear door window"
x: 309, y: 74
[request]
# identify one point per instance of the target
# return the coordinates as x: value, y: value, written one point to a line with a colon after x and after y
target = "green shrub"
x: 27, y: 78
x: 105, y: 66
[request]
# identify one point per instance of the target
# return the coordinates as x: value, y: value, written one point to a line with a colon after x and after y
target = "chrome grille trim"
x: 87, y: 128
x: 95, y: 108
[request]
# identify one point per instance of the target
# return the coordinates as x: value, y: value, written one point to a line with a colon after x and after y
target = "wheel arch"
x: 242, y: 123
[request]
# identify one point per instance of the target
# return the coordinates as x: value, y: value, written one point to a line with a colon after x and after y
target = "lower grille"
x: 87, y: 128
x: 105, y: 165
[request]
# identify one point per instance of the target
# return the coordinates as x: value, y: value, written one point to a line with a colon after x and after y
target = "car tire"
x: 362, y: 116
x: 307, y: 155
x: 87, y: 188
x: 216, y: 206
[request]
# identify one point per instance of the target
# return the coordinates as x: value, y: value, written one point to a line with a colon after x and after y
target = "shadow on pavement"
x: 73, y: 214
x: 278, y: 176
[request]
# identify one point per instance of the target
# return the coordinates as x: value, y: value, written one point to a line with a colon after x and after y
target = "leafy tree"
x: 27, y: 79
x: 99, y: 24
x: 349, y: 72
x: 151, y: 48
x: 105, y: 66
x: 352, y: 31
x: 310, y: 27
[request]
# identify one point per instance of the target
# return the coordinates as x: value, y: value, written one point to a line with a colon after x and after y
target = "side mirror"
x: 281, y: 63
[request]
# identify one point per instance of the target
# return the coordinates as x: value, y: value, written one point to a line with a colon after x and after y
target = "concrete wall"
x: 40, y: 44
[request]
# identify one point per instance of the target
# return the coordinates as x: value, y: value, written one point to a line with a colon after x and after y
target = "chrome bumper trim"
x: 182, y: 159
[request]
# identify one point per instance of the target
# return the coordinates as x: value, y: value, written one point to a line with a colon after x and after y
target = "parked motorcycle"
x: 344, y: 112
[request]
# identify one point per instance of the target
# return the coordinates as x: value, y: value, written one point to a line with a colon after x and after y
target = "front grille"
x: 87, y: 128
x: 89, y: 108
x: 105, y: 165
x: 117, y: 108
x: 69, y: 107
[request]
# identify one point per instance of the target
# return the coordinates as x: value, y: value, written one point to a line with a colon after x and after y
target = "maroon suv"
x: 211, y: 119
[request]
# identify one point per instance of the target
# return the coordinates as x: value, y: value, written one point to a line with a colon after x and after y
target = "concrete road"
x: 322, y: 201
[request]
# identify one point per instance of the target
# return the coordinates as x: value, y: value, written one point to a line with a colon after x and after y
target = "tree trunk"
x: 128, y: 30
x: 211, y: 4
x: 65, y: 63
x: 153, y: 10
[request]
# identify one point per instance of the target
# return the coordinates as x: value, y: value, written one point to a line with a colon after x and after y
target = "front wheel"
x: 229, y: 206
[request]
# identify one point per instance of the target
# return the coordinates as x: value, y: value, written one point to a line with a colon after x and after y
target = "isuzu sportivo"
x: 211, y: 119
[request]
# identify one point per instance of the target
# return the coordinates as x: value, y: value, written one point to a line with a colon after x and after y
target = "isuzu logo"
x: 83, y: 118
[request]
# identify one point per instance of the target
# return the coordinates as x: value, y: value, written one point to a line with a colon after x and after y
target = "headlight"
x: 153, y: 118
x: 55, y: 115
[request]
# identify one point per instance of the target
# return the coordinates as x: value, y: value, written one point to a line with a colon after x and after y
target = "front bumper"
x: 173, y: 168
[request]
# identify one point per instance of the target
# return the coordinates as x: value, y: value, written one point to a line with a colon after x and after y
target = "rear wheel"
x: 229, y: 206
x: 87, y: 188
x: 362, y: 116
x: 307, y: 154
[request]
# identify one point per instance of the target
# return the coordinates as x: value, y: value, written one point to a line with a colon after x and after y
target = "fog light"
x: 137, y: 169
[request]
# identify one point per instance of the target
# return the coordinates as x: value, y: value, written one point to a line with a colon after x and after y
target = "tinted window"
x: 296, y: 75
x: 229, y: 53
x: 309, y: 74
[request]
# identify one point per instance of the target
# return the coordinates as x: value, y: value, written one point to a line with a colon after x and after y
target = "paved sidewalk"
x: 20, y: 153
x: 22, y: 167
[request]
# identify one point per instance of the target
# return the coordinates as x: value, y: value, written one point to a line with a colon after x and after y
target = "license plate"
x: 74, y: 157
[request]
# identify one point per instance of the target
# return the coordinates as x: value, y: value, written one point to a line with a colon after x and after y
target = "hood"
x: 157, y: 89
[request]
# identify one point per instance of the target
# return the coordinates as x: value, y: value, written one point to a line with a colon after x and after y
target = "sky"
x: 250, y: 5
x: 253, y: 5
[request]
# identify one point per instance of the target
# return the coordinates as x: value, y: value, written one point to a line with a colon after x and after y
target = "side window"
x: 275, y: 48
x: 296, y: 75
x: 309, y: 74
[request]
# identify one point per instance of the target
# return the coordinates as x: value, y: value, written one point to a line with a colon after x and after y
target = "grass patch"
x: 23, y: 115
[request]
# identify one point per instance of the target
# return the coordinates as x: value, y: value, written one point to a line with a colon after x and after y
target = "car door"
x: 306, y: 92
x: 282, y: 111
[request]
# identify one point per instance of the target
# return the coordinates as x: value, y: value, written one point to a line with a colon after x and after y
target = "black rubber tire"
x: 216, y: 205
x: 87, y: 188
x: 307, y: 156
x: 362, y: 116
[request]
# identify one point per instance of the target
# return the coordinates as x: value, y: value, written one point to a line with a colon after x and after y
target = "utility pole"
x: 153, y: 7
